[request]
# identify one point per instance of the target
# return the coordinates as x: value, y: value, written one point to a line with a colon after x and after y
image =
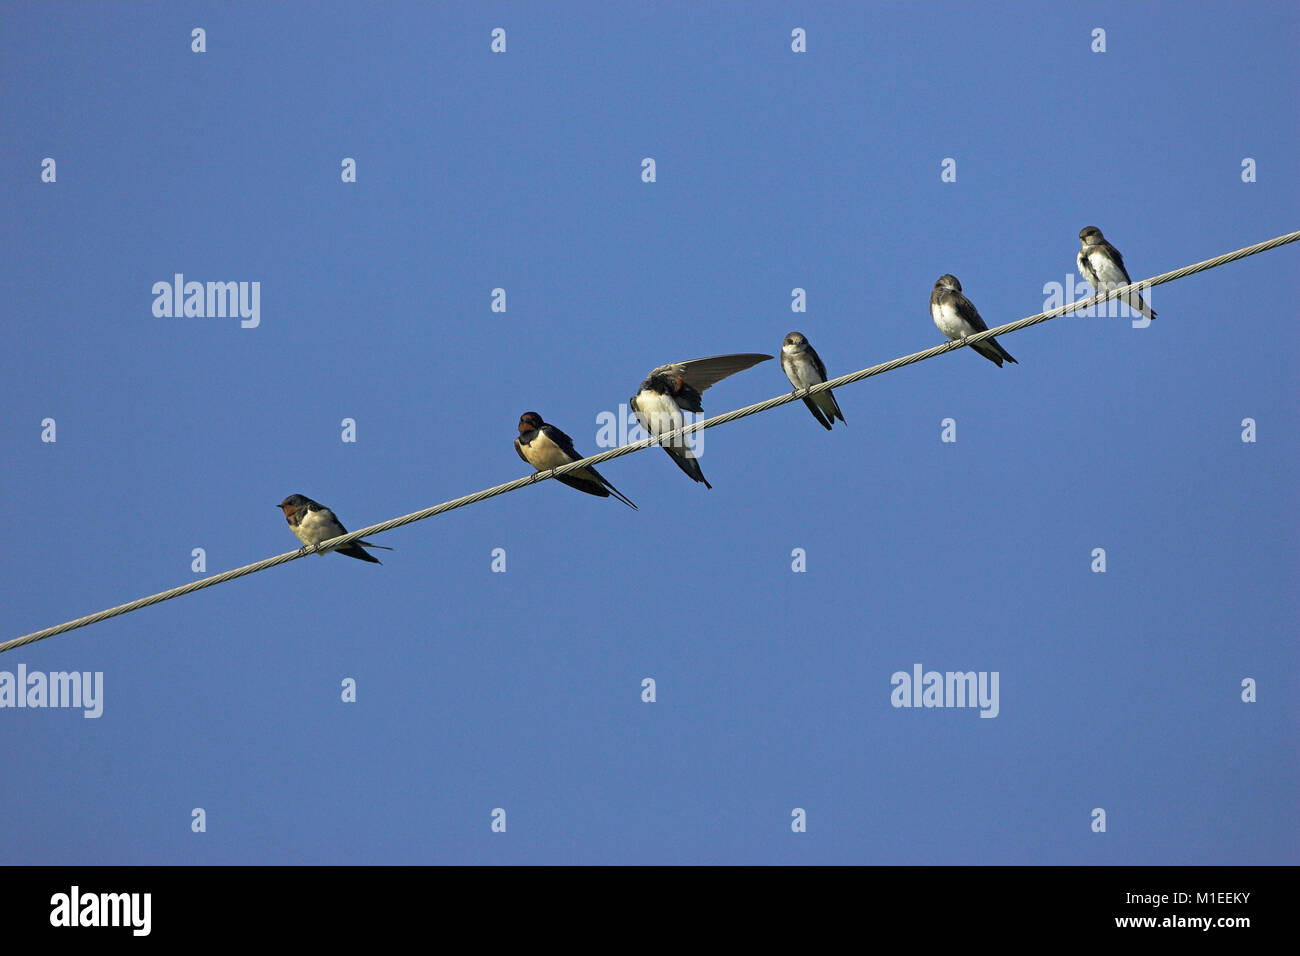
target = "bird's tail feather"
x: 620, y: 496
x: 690, y: 466
x: 1138, y: 304
x: 817, y: 413
x: 1003, y: 352
x: 352, y: 551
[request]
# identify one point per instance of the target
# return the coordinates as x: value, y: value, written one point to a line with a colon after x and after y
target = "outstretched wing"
x: 701, y: 373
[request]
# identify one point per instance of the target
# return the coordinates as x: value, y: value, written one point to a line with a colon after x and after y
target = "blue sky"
x: 521, y: 690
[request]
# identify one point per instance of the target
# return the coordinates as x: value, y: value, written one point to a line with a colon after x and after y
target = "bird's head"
x: 291, y: 504
x: 1090, y: 236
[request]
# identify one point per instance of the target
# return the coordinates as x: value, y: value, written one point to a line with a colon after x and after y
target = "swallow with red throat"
x: 804, y: 368
x: 545, y: 447
x: 314, y: 523
x: 669, y: 389
x: 957, y: 318
x: 1102, y: 265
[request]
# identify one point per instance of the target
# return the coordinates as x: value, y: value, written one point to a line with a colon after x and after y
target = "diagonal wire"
x: 628, y: 449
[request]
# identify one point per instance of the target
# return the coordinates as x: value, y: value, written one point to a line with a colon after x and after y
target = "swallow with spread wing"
x: 669, y: 389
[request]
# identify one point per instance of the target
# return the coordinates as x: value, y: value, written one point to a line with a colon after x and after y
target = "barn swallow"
x: 1102, y: 265
x: 957, y: 318
x: 668, y: 389
x: 804, y: 367
x: 314, y: 523
x: 545, y: 447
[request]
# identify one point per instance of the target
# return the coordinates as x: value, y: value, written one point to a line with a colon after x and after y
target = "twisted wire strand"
x: 668, y: 438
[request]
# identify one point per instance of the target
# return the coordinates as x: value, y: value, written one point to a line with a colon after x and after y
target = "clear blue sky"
x: 522, y: 690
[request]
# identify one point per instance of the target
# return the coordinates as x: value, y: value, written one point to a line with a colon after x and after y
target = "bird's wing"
x: 971, y: 315
x: 701, y: 373
x: 330, y: 520
x: 561, y: 441
x: 818, y: 363
x: 519, y: 450
x: 1119, y: 261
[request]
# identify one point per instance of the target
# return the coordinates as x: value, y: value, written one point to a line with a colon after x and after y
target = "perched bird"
x: 804, y: 367
x: 314, y: 523
x: 1102, y: 265
x: 957, y: 318
x: 545, y: 447
x: 668, y: 389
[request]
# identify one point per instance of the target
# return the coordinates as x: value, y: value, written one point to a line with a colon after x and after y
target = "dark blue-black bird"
x: 545, y: 447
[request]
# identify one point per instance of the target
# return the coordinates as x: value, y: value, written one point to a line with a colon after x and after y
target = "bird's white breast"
x: 948, y: 320
x: 801, y: 372
x: 316, y: 526
x: 1109, y: 275
x: 658, y: 414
